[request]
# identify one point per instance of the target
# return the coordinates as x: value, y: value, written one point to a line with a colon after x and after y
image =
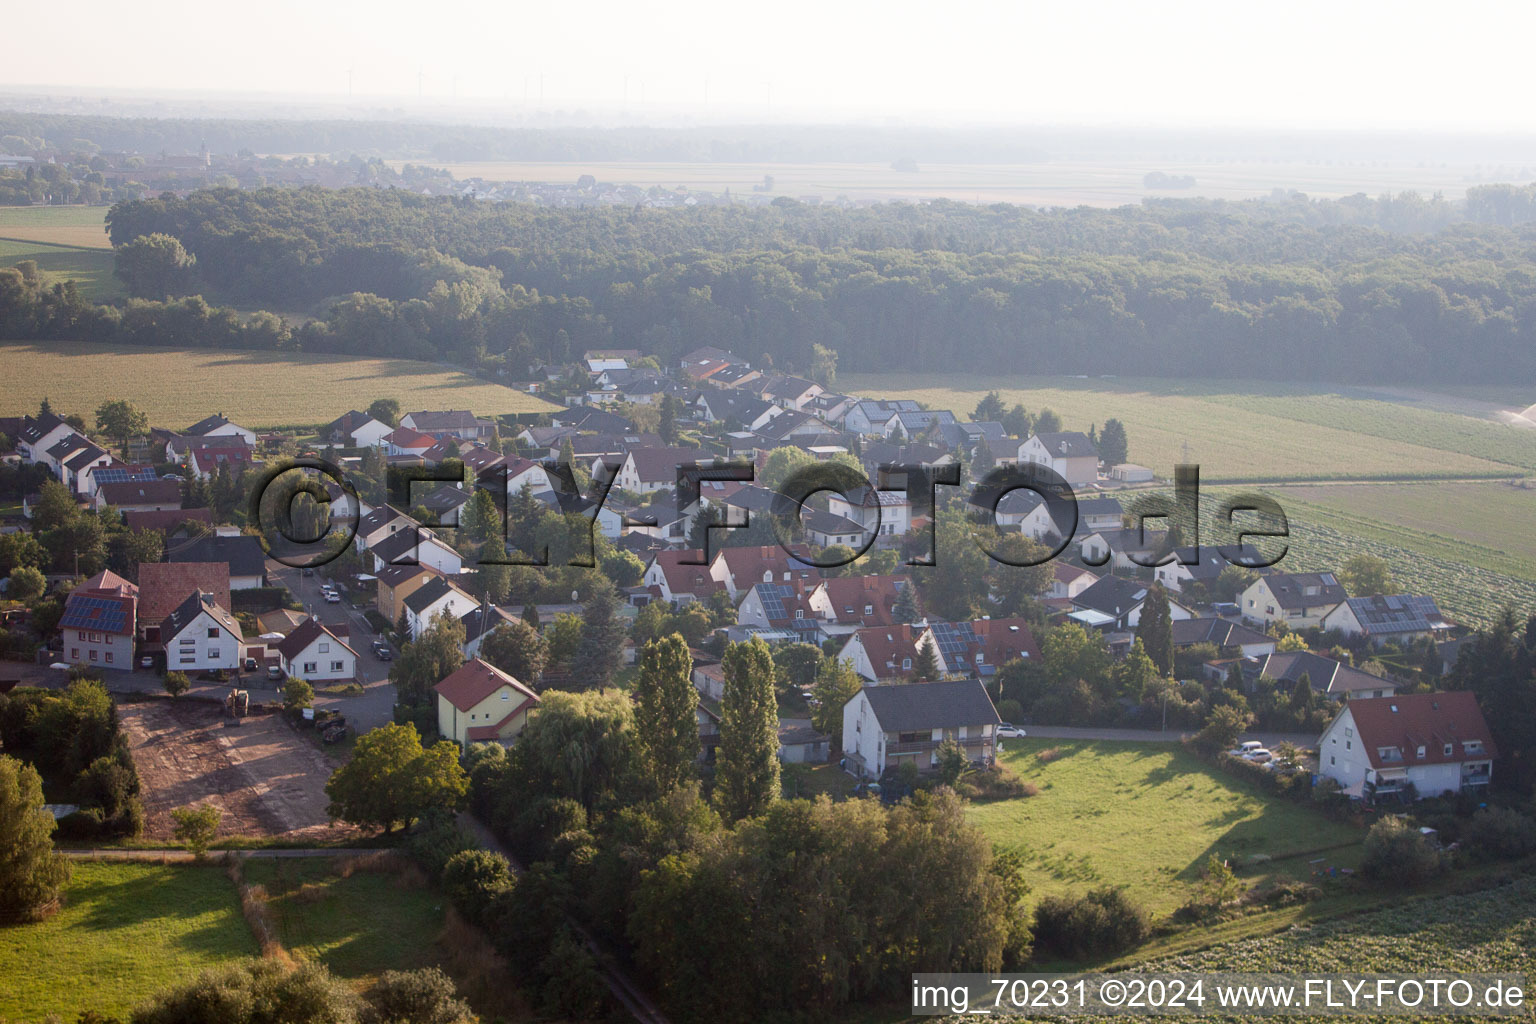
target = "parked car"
x: 1259, y: 756
x: 148, y: 661
x: 331, y: 597
x: 1009, y: 731
x: 275, y: 673
x: 250, y: 664
x: 306, y: 571
x: 1244, y: 749
x: 383, y: 652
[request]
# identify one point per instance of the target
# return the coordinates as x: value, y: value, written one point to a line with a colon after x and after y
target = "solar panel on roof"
x: 123, y: 475
x: 108, y: 615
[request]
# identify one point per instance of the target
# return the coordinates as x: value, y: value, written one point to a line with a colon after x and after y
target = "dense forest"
x: 1400, y: 288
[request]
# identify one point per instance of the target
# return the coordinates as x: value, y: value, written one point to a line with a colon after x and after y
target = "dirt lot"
x: 269, y: 780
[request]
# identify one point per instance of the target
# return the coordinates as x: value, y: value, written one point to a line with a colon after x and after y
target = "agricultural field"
x: 1241, y: 431
x: 1146, y: 816
x: 83, y: 227
x: 176, y: 387
x: 1483, y: 524
x: 126, y: 931
x: 90, y: 269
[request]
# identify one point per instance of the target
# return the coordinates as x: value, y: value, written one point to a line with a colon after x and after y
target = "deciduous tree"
x: 392, y: 779
x: 666, y: 712
x: 747, y: 761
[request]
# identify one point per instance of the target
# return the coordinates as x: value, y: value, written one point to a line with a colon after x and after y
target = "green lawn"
x: 1146, y: 816
x: 89, y: 268
x: 126, y: 932
x: 1243, y: 430
x: 357, y: 926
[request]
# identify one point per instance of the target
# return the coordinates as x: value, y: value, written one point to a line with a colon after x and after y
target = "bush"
x: 1101, y: 923
x: 472, y: 879
x: 1010, y: 711
x: 297, y: 695
x: 196, y: 826
x: 434, y: 840
x: 1500, y: 833
x: 1396, y: 852
x: 250, y: 992
x: 426, y: 996
x: 999, y: 782
x: 177, y: 683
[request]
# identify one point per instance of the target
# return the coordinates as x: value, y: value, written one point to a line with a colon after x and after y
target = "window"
x: 109, y: 657
x: 189, y: 659
x: 325, y: 648
x: 108, y: 639
x: 906, y: 664
x: 309, y: 666
x: 81, y: 636
x: 1472, y: 746
x: 93, y: 655
x: 74, y: 654
x: 213, y: 633
x: 336, y: 666
x: 1447, y: 750
x: 1331, y: 759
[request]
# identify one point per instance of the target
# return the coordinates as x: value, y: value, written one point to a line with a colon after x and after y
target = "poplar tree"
x: 747, y: 766
x: 666, y: 711
x: 1155, y: 629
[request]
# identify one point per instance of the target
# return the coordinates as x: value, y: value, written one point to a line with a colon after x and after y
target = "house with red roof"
x: 678, y: 578
x: 883, y: 653
x: 479, y: 702
x: 164, y: 586
x: 739, y: 569
x: 405, y: 441
x: 1413, y: 744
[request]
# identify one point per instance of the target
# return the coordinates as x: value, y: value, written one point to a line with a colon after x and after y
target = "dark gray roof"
x: 1385, y: 614
x: 422, y: 597
x: 1112, y: 595
x: 36, y: 429
x: 909, y: 707
x: 1067, y: 444
x: 1325, y: 674
x: 196, y: 602
x: 243, y: 555
x: 1215, y: 631
x: 1290, y: 589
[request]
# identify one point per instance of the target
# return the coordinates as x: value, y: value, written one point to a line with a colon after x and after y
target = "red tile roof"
x: 165, y: 520
x: 849, y: 595
x: 476, y: 680
x: 1428, y: 719
x: 108, y: 582
x: 687, y: 579
x: 1002, y: 640
x: 746, y: 565
x: 163, y: 586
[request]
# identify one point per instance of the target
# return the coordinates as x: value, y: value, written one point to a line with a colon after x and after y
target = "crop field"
x: 1489, y: 525
x: 80, y: 226
x: 1243, y: 431
x: 90, y: 269
x: 1146, y: 816
x: 176, y: 387
x: 126, y: 931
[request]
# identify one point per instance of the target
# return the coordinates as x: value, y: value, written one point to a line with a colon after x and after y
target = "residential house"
x: 438, y: 596
x: 884, y: 726
x: 790, y: 392
x: 218, y: 426
x: 824, y: 529
x: 163, y: 586
x: 792, y: 427
x: 1435, y: 743
x: 97, y: 627
x: 980, y: 647
x: 883, y: 653
x: 886, y: 513
x: 415, y: 545
x: 746, y: 410
x: 1069, y: 453
x: 40, y: 434
x: 853, y: 601
x: 394, y: 583
x: 1327, y: 676
x: 457, y: 423
x: 480, y: 703
x: 200, y: 635
x: 379, y: 524
x: 169, y: 521
x: 405, y: 441
x: 140, y: 496
x: 876, y: 416
x: 591, y: 419
x: 1128, y: 549
x: 647, y: 470
x: 1068, y: 581
x: 679, y: 577
x: 1118, y: 602
x: 97, y: 476
x: 778, y: 606
x: 1223, y: 634
x: 1300, y: 600
x: 738, y: 568
x: 243, y: 554
x: 356, y: 430
x: 315, y: 654
x: 206, y: 461
x: 1382, y: 617
x: 1207, y: 564
x: 480, y: 623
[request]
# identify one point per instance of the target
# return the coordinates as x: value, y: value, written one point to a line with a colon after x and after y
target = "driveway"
x: 376, y: 706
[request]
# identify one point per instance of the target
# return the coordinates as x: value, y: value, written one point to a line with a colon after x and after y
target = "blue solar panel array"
x: 123, y: 475
x: 955, y: 639
x: 773, y: 596
x: 105, y: 614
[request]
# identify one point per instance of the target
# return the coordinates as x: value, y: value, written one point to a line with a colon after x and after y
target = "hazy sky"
x: 1301, y: 64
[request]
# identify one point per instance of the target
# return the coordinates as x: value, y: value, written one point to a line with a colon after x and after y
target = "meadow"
x: 1245, y: 431
x: 1146, y: 816
x: 126, y: 931
x: 83, y: 227
x: 90, y: 269
x: 176, y: 387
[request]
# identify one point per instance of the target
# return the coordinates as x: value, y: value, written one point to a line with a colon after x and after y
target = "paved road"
x: 1068, y: 732
x: 376, y: 706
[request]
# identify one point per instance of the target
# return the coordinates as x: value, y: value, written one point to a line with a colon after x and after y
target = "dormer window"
x: 869, y: 609
x: 1472, y: 746
x: 906, y: 664
x: 1421, y: 750
x: 1447, y: 750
